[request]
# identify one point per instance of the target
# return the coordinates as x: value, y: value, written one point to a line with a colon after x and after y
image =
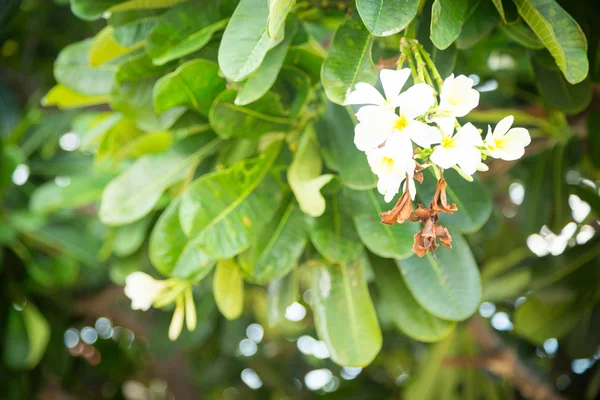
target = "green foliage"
x: 212, y: 147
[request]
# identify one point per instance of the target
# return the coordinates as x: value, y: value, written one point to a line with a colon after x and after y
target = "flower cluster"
x: 396, y: 129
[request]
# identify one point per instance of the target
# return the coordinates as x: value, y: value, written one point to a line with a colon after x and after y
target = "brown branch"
x: 503, y: 361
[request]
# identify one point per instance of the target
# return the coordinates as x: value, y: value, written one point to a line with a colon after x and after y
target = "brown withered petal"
x: 401, y: 211
x: 418, y: 245
x: 440, y: 201
x: 444, y: 236
x: 422, y: 214
x: 418, y: 177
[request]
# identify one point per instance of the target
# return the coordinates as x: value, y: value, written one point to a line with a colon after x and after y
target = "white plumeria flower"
x: 391, y: 165
x: 392, y: 82
x: 506, y: 143
x: 142, y: 289
x: 458, y: 97
x: 377, y: 124
x: 459, y: 149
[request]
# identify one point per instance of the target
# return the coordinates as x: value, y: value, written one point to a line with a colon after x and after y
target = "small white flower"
x: 458, y: 97
x: 459, y: 149
x: 506, y: 143
x: 392, y: 164
x: 142, y: 289
x: 392, y: 82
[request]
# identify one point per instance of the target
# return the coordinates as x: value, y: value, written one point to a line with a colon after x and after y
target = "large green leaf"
x: 387, y: 17
x: 307, y: 60
x: 335, y: 131
x: 26, y: 338
x: 349, y: 60
x: 521, y: 34
x: 228, y: 288
x: 92, y: 9
x: 278, y: 10
x: 195, y: 84
x: 139, y: 67
x: 184, y: 29
x: 260, y: 81
x: 345, y: 318
x: 471, y: 198
x: 449, y: 285
x: 105, y: 48
x: 333, y: 233
x: 561, y: 35
x: 407, y: 314
x: 282, y: 293
x: 224, y: 211
x: 277, y: 247
x: 171, y: 251
x: 144, y: 4
x: 246, y: 39
x: 81, y: 191
x: 385, y: 241
x: 554, y: 88
x: 127, y: 239
x: 447, y: 18
x: 304, y: 175
x: 133, y: 27
x: 263, y: 116
x: 134, y: 193
x: 478, y: 25
x: 72, y: 69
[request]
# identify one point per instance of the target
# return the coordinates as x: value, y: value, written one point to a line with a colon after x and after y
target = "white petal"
x: 446, y: 89
x: 469, y: 159
x: 446, y: 124
x: 389, y: 186
x: 422, y: 134
x: 458, y: 97
x: 412, y: 189
x: 400, y: 149
x: 444, y: 157
x: 393, y: 81
x: 376, y: 125
x: 468, y: 135
x: 518, y: 135
x: 364, y: 94
x: 482, y: 167
x: 416, y: 101
x: 503, y: 126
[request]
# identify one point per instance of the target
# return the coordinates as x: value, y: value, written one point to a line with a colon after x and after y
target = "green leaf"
x: 447, y: 18
x: 349, y: 60
x: 387, y: 17
x: 171, y: 251
x: 72, y: 70
x: 105, y: 48
x: 444, y: 60
x: 344, y: 315
x: 195, y: 84
x: 480, y: 23
x: 471, y: 198
x: 182, y: 30
x: 412, y: 319
x: 92, y: 9
x: 282, y: 293
x: 133, y: 194
x: 304, y: 175
x: 554, y: 88
x: 500, y: 8
x: 65, y: 98
x: 127, y: 239
x: 246, y: 39
x: 521, y: 34
x: 69, y: 241
x: 385, y: 241
x: 263, y: 116
x: 81, y: 191
x: 133, y: 27
x: 593, y: 125
x: 146, y: 143
x: 134, y: 100
x: 333, y: 234
x: 139, y: 67
x: 277, y: 247
x: 335, y: 131
x: 278, y: 10
x: 306, y: 60
x: 27, y: 337
x: 561, y: 35
x: 223, y: 211
x: 144, y: 4
x: 261, y: 80
x: 448, y: 286
x: 228, y: 288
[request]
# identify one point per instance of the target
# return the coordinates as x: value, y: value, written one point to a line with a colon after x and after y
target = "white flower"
x: 458, y: 97
x: 505, y: 143
x: 392, y: 82
x: 377, y: 124
x: 459, y: 149
x: 392, y: 164
x: 142, y: 289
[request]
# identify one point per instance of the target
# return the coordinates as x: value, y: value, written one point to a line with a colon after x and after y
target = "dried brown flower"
x: 401, y: 211
x: 440, y: 201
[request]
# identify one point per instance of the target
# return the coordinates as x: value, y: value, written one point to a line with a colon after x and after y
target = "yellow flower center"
x: 499, y: 143
x: 447, y: 142
x: 401, y: 123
